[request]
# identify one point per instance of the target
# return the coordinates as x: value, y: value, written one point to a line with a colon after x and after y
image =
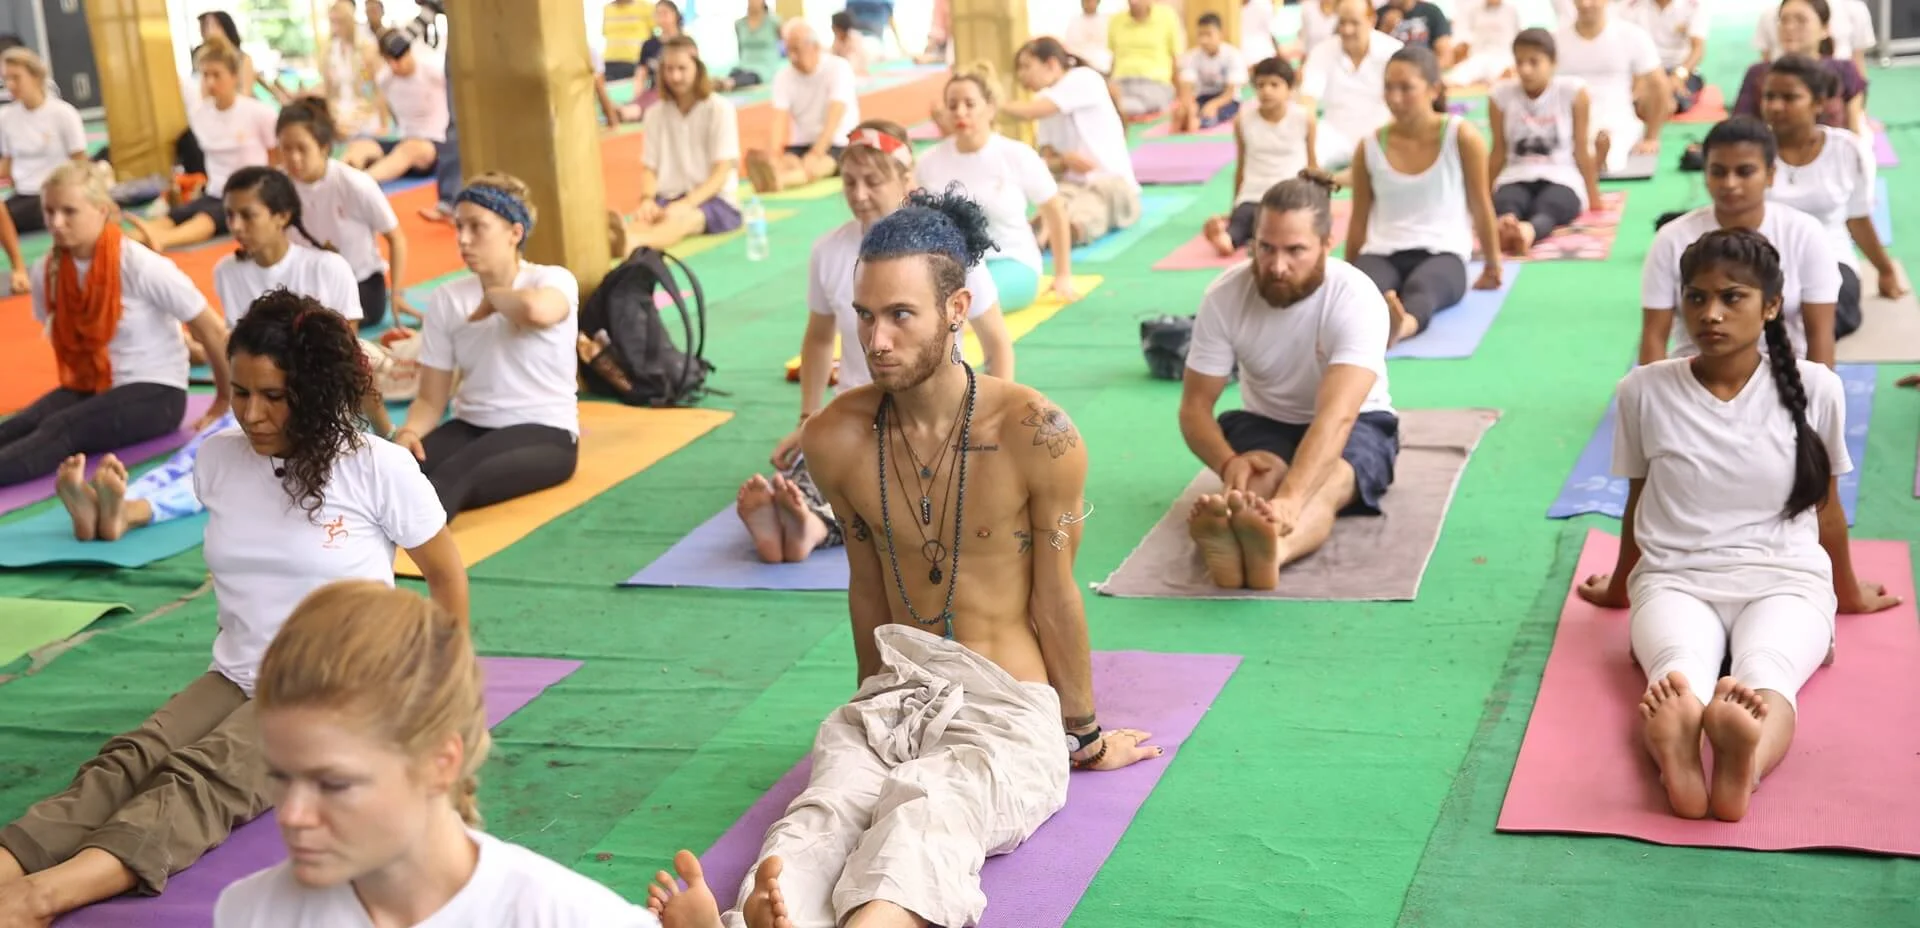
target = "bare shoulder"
x: 835, y: 433
x: 1038, y: 430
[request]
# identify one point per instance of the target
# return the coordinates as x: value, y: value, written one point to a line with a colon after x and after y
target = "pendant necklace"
x: 926, y: 471
x: 952, y: 573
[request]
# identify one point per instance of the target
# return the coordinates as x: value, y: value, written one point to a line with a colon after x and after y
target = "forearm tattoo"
x: 1026, y: 540
x: 1051, y: 428
x: 858, y: 530
x: 1081, y: 722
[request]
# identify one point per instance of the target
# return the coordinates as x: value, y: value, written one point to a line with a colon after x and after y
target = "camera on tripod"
x: 425, y: 27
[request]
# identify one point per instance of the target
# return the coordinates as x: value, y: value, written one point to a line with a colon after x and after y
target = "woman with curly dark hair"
x: 297, y: 497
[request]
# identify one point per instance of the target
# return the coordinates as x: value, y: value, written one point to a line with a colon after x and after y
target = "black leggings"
x: 471, y: 467
x: 25, y: 212
x: 66, y: 422
x: 1541, y: 203
x: 1427, y: 282
x: 373, y: 300
x: 1846, y: 312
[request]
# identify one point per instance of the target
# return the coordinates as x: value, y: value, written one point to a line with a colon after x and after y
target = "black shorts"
x: 1240, y: 224
x: 373, y: 300
x: 800, y: 151
x: 388, y: 145
x: 1371, y: 449
x: 202, y: 205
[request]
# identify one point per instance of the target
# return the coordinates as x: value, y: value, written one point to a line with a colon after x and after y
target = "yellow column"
x: 1227, y: 10
x: 790, y: 9
x: 524, y: 103
x: 991, y: 31
x: 133, y: 49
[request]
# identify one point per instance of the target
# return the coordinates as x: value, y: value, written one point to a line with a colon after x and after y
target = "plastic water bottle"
x: 755, y: 219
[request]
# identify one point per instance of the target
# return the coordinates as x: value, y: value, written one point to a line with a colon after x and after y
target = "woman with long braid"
x: 1734, y: 543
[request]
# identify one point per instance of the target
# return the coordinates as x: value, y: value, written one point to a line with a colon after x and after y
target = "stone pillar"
x: 992, y: 30
x: 790, y: 9
x: 524, y: 101
x: 133, y: 48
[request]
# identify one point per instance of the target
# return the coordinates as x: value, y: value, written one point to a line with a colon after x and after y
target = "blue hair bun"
x: 946, y: 223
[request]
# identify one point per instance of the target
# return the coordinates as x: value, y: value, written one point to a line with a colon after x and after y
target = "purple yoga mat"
x: 1883, y: 152
x: 512, y: 682
x: 1038, y: 885
x: 1181, y: 162
x: 21, y: 495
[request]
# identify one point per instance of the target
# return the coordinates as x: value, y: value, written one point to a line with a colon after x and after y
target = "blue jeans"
x: 447, y: 174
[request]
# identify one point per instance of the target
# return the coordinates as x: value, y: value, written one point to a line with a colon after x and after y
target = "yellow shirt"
x: 626, y: 27
x: 1146, y: 49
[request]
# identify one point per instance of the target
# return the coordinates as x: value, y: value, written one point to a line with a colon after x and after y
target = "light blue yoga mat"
x: 1457, y: 330
x: 1882, y: 212
x: 719, y: 555
x: 1156, y: 209
x: 46, y: 539
x: 1592, y: 489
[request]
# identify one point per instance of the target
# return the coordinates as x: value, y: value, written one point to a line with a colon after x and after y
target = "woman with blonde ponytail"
x: 373, y: 727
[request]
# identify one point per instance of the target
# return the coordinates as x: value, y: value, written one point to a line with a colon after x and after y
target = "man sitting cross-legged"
x: 1308, y: 334
x: 961, y: 494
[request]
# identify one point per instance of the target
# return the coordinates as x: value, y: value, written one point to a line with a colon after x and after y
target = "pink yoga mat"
x: 22, y: 495
x: 1038, y: 885
x: 1181, y: 162
x: 512, y: 682
x: 1847, y: 783
x: 1883, y: 152
x: 1195, y: 254
x: 1163, y: 130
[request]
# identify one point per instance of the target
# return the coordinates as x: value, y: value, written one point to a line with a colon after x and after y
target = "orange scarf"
x: 84, y: 319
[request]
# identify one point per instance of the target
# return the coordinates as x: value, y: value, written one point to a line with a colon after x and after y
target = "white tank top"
x: 1276, y: 151
x: 1419, y: 212
x: 1539, y: 134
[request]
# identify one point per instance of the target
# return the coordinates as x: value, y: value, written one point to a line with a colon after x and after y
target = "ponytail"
x: 1048, y: 48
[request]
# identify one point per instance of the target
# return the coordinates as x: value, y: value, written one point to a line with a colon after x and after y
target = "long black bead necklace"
x: 880, y: 428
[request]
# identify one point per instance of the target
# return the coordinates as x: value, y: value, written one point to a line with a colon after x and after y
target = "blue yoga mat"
x: 719, y: 555
x: 1156, y: 209
x: 1457, y: 330
x: 1593, y: 489
x: 1882, y: 212
x: 403, y: 184
x: 46, y: 539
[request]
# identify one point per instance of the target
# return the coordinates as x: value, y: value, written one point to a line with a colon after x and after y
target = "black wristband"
x: 1086, y: 740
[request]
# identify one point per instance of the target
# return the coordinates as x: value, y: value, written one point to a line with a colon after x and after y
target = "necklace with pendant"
x: 930, y: 548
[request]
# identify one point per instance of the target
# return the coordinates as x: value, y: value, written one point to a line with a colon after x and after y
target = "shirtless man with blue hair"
x: 961, y: 497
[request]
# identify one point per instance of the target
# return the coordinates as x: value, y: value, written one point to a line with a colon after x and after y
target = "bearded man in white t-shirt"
x: 1307, y: 335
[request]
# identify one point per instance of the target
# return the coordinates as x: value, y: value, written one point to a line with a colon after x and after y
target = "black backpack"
x: 623, y: 318
x: 1163, y: 340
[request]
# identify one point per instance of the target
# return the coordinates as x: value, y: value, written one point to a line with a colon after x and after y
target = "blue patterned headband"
x: 500, y: 203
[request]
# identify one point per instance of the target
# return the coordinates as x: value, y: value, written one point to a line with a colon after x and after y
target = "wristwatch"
x: 1078, y: 743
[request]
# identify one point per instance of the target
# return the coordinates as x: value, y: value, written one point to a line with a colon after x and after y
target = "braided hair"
x: 327, y: 374
x: 1747, y: 256
x: 276, y: 193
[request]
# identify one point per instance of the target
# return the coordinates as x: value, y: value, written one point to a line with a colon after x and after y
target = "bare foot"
x: 765, y: 906
x: 1732, y: 723
x: 139, y: 230
x: 1397, y: 319
x: 435, y: 214
x: 1602, y: 146
x: 762, y: 172
x: 800, y: 530
x: 693, y: 907
x: 1523, y: 238
x: 1259, y: 538
x: 755, y: 506
x: 617, y: 236
x: 1211, y: 530
x: 70, y: 484
x: 1216, y: 233
x: 110, y: 487
x: 1672, y: 717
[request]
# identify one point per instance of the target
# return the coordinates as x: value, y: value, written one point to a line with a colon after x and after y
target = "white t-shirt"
x: 1672, y: 28
x: 418, y: 101
x: 156, y: 298
x: 1488, y: 30
x: 1849, y: 22
x: 237, y: 137
x: 322, y: 275
x: 1419, y: 212
x: 1812, y: 271
x: 1835, y: 187
x: 1283, y: 352
x: 509, y: 375
x: 1608, y: 64
x: 1086, y: 38
x: 1087, y: 123
x: 1353, y: 98
x: 1212, y: 74
x: 267, y: 552
x: 1539, y: 134
x: 39, y: 141
x: 345, y: 209
x: 1273, y: 151
x: 830, y: 293
x: 682, y: 148
x: 1317, y: 25
x: 511, y: 887
x: 1256, y: 31
x: 1717, y: 476
x: 807, y: 97
x: 1007, y: 178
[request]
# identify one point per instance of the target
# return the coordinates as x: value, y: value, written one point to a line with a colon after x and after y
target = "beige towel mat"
x: 1368, y: 558
x: 1889, y: 330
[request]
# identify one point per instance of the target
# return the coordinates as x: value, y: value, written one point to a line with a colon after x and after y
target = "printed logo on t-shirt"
x: 336, y: 530
x: 1538, y: 136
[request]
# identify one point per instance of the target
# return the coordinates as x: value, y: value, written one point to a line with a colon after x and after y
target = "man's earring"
x: 955, y: 329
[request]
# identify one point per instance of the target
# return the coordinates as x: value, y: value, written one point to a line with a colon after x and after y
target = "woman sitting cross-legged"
x: 39, y: 132
x: 1734, y: 544
x: 1419, y: 197
x: 690, y: 167
x: 1079, y: 133
x: 113, y: 311
x: 345, y: 209
x: 787, y: 515
x: 233, y: 131
x: 509, y: 332
x: 373, y: 730
x: 296, y: 497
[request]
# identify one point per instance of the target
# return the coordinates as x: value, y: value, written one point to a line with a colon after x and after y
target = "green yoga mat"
x: 27, y: 624
x: 46, y: 539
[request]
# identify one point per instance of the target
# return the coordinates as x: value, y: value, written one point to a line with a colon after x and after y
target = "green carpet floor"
x: 1351, y: 771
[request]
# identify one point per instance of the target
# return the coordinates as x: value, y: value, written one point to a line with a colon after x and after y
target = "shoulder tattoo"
x: 858, y: 529
x: 1051, y: 428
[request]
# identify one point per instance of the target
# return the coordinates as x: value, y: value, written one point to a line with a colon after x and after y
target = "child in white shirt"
x: 1211, y: 75
x: 1275, y: 140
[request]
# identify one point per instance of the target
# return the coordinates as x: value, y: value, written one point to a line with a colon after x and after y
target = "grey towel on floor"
x: 1889, y: 330
x: 1367, y: 558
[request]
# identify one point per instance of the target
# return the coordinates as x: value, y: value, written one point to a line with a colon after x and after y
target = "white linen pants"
x: 941, y: 760
x: 1481, y: 67
x: 1332, y: 148
x: 1776, y: 642
x: 1623, y: 132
